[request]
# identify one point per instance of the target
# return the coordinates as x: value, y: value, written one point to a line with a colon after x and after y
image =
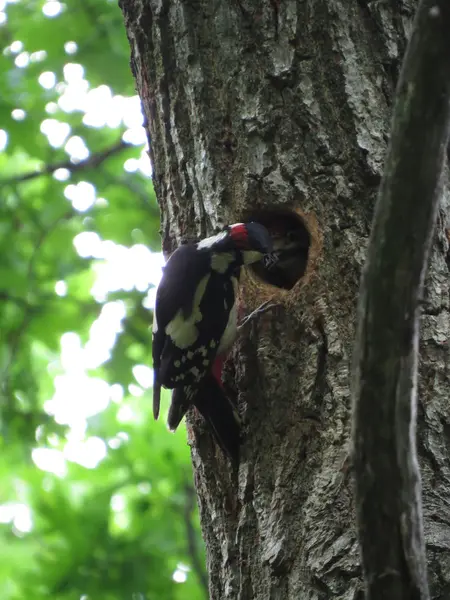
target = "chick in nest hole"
x: 287, y: 262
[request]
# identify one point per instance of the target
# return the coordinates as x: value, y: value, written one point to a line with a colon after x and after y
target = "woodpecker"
x: 195, y: 324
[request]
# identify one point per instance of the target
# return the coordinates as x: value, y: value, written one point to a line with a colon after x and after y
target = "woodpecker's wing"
x: 157, y: 346
x: 184, y: 269
x: 191, y: 343
x: 177, y: 286
x: 176, y: 292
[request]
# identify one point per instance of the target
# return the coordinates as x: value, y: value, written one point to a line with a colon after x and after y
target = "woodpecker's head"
x: 251, y: 241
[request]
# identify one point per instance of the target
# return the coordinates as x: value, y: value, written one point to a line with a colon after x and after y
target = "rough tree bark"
x: 255, y: 105
x: 388, y: 484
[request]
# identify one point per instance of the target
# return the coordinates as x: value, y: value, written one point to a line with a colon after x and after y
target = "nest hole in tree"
x: 291, y: 243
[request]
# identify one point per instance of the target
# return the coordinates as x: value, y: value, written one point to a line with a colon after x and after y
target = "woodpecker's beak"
x: 259, y: 239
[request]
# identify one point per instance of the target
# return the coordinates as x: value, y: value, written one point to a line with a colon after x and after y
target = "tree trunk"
x: 255, y: 107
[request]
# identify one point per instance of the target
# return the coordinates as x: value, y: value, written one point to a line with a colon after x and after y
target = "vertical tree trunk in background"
x: 388, y: 491
x: 254, y: 105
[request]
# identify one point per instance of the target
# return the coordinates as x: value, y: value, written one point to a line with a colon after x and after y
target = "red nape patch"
x: 217, y: 369
x: 239, y: 233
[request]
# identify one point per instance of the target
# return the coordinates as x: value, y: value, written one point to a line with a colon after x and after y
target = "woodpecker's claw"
x: 265, y: 306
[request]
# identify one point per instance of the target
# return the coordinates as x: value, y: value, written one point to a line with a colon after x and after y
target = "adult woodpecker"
x: 195, y: 324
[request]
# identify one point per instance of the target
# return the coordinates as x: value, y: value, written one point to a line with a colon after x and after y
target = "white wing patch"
x: 230, y: 333
x: 182, y: 331
x: 251, y: 256
x: 220, y: 261
x: 208, y: 242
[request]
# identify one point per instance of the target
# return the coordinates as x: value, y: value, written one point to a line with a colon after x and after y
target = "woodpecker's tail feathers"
x: 218, y: 411
x: 221, y: 416
x: 156, y: 398
x: 178, y: 407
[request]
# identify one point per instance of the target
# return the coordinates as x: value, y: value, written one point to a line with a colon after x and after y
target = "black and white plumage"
x: 195, y: 322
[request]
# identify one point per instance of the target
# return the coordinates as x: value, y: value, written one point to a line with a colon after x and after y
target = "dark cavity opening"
x: 291, y: 242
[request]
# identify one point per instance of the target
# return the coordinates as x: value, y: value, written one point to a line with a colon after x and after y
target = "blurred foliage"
x: 124, y: 525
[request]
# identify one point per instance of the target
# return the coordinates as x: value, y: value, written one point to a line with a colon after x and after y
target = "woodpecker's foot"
x: 265, y: 306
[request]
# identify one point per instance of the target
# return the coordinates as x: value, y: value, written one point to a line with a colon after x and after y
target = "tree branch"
x: 388, y: 488
x: 93, y: 161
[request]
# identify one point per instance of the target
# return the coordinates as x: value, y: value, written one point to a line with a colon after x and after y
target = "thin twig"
x: 387, y: 478
x: 264, y: 307
x: 68, y: 214
x: 93, y: 161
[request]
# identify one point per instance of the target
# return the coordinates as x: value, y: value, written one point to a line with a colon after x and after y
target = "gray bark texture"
x: 388, y: 483
x: 252, y: 106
